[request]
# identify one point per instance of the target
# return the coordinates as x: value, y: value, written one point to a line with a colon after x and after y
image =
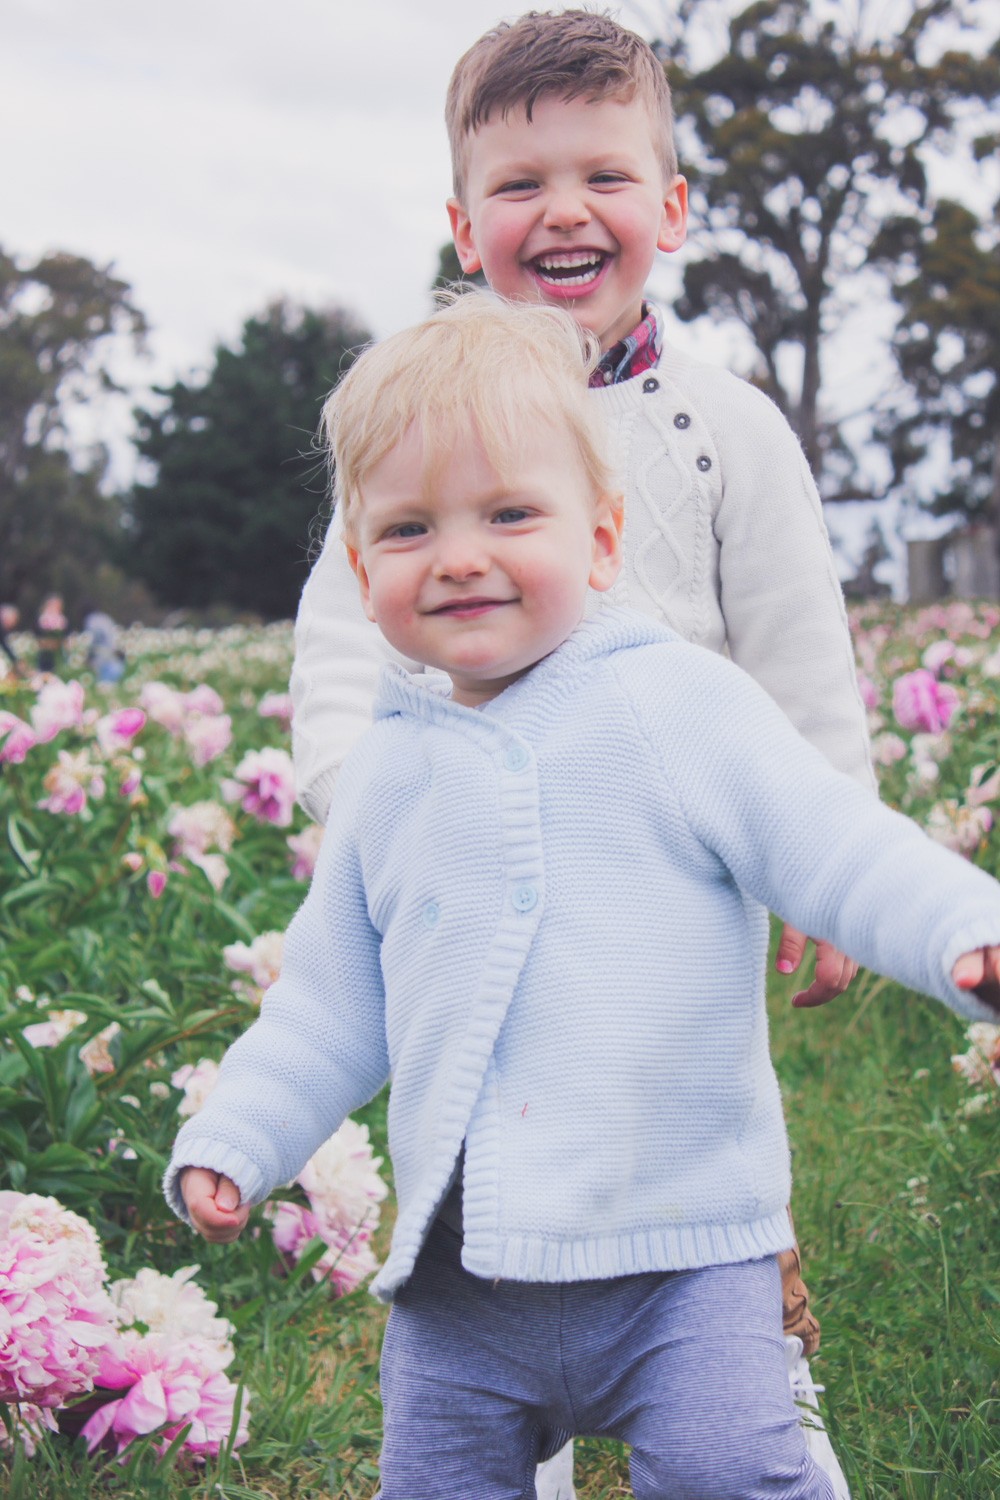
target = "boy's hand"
x: 213, y: 1202
x: 834, y: 971
x: 979, y: 971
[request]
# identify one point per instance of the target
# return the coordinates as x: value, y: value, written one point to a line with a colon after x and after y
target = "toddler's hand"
x: 979, y: 971
x: 213, y: 1202
x: 834, y: 971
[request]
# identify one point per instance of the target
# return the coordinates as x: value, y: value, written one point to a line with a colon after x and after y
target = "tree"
x: 947, y: 344
x: 59, y: 319
x: 238, y: 482
x: 797, y: 154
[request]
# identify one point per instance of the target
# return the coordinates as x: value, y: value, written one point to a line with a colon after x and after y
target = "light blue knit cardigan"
x: 547, y: 920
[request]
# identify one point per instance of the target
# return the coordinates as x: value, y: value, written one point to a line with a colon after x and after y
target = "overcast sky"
x: 224, y: 152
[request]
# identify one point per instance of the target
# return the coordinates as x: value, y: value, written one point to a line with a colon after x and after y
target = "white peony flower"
x: 197, y: 1080
x: 173, y: 1306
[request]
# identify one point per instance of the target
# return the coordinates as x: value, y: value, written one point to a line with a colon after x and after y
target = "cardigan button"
x: 704, y: 464
x: 650, y: 384
x: 682, y: 420
x: 515, y: 758
x: 524, y: 898
x: 432, y: 914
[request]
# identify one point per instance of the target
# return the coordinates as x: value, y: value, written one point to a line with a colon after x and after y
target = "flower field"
x: 150, y: 857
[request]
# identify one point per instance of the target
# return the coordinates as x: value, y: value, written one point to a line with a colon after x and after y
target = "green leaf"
x: 28, y: 857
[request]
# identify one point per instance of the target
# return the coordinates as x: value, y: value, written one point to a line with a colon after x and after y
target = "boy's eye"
x: 520, y: 185
x: 605, y: 179
x: 511, y: 515
x: 407, y: 529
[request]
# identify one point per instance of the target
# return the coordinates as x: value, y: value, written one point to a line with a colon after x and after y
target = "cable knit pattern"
x: 723, y: 541
x: 547, y: 919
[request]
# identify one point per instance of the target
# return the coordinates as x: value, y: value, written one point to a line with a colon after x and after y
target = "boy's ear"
x: 461, y: 233
x: 673, y: 224
x: 606, y: 554
x: 358, y: 567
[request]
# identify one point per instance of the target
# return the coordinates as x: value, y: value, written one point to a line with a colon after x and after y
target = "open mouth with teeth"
x: 566, y: 268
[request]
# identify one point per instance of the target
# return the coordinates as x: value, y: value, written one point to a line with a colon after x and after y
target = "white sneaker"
x: 804, y: 1391
x: 554, y: 1477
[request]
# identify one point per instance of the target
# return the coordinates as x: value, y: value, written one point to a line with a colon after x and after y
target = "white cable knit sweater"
x: 548, y: 921
x: 723, y: 541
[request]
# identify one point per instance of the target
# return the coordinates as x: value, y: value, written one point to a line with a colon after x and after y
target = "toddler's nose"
x: 566, y: 209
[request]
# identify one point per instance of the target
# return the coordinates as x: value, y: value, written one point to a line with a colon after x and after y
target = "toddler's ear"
x: 606, y: 547
x: 461, y: 233
x: 358, y: 568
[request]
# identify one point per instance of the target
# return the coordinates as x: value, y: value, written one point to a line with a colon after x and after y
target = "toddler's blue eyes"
x: 408, y: 529
x: 510, y: 516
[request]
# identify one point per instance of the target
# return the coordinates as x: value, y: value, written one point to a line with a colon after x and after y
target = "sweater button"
x: 432, y: 914
x: 682, y: 420
x: 515, y: 758
x: 524, y: 898
x: 650, y: 384
x: 704, y: 464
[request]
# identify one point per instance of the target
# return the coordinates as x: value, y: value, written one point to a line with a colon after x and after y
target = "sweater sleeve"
x: 810, y: 843
x: 317, y: 1051
x: 780, y: 595
x: 339, y: 655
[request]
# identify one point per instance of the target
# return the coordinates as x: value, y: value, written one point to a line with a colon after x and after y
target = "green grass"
x: 904, y: 1281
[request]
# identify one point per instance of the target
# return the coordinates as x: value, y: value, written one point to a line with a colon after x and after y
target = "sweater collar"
x: 413, y: 694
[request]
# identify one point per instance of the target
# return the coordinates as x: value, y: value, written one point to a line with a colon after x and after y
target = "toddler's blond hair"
x: 479, y: 364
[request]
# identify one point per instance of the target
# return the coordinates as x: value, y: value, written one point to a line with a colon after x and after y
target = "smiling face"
x: 569, y: 208
x: 477, y: 575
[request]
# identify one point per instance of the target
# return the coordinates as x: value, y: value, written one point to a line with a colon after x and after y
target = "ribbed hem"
x: 214, y: 1157
x: 664, y: 1248
x: 687, y: 1247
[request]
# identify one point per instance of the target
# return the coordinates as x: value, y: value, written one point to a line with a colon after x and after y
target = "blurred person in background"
x: 51, y: 632
x: 104, y: 654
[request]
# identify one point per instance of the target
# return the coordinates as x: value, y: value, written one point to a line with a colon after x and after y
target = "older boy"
x: 506, y: 925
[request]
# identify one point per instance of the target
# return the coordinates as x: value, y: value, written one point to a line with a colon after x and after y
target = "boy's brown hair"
x: 573, y: 54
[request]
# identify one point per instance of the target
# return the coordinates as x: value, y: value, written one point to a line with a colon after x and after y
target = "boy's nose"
x: 566, y: 209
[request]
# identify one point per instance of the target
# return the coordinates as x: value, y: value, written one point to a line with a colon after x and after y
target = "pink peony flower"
x: 165, y: 705
x: 155, y: 882
x: 305, y: 847
x: 888, y: 748
x: 276, y: 706
x: 55, y: 1315
x: 207, y: 735
x: 920, y: 702
x: 70, y: 781
x: 868, y: 691
x: 261, y: 959
x: 958, y: 827
x: 937, y: 654
x: 30, y: 1425
x: 51, y: 1032
x: 18, y: 738
x: 133, y: 861
x: 167, y: 1384
x: 204, y: 700
x: 116, y: 731
x: 266, y: 783
x: 59, y: 706
x: 95, y: 1055
x: 202, y: 826
x: 342, y: 1182
x: 348, y: 1262
x: 197, y: 1080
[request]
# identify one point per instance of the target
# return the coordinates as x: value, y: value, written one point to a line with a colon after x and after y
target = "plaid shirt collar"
x: 639, y: 351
